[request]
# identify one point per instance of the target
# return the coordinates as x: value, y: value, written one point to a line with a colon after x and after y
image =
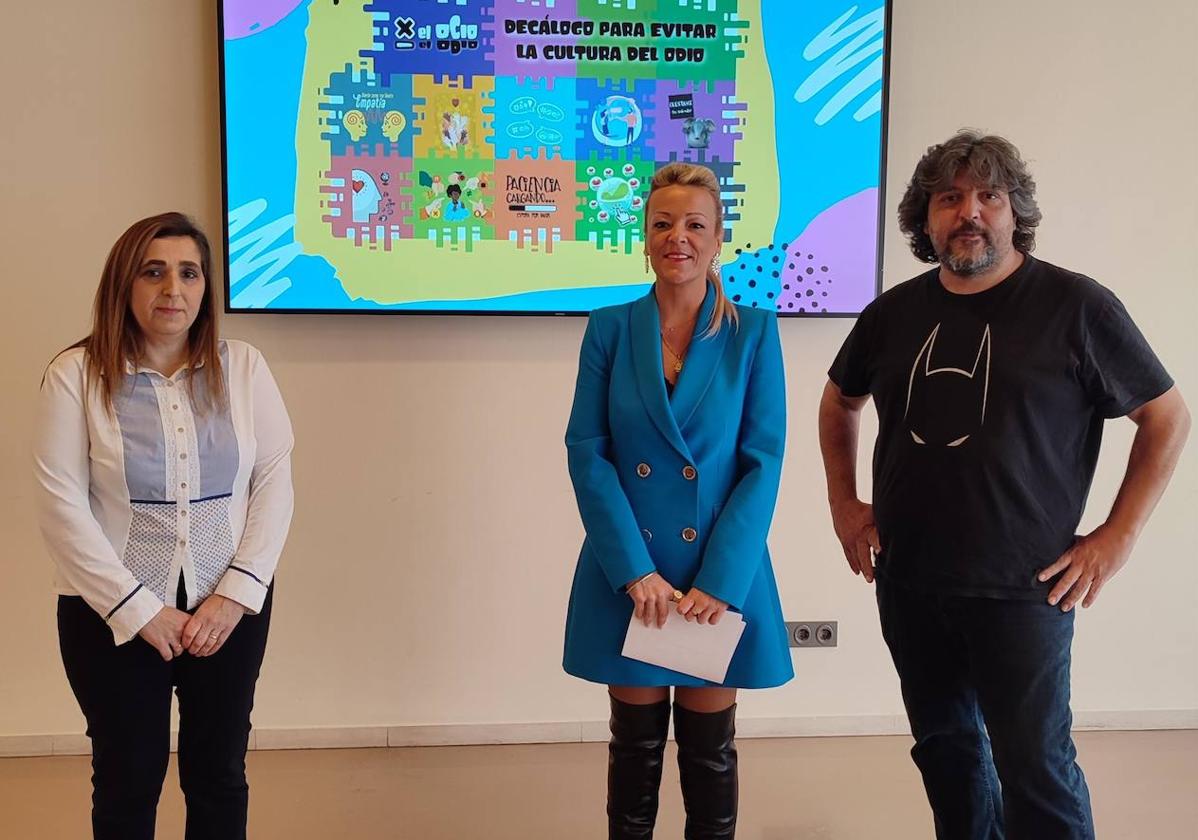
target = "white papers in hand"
x: 700, y: 650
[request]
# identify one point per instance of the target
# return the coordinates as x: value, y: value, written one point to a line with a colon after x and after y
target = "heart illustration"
x: 358, y: 185
x: 455, y: 102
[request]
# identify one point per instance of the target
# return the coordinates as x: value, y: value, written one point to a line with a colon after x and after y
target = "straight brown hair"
x: 116, y: 338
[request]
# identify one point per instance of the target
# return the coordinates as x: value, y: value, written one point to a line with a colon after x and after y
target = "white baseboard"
x: 572, y: 732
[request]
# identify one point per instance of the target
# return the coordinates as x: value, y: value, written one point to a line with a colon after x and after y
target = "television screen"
x: 494, y: 156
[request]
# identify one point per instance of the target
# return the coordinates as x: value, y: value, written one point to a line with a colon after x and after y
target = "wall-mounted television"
x: 494, y: 156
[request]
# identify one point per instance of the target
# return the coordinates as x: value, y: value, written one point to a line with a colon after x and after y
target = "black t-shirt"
x: 990, y: 415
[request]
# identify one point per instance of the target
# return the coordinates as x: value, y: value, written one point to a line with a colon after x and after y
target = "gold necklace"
x: 673, y: 352
x: 689, y: 326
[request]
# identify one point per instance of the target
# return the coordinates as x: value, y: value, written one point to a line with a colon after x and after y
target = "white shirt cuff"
x: 135, y: 613
x: 242, y: 587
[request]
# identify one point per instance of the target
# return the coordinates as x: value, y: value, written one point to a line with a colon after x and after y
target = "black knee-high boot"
x: 638, y: 740
x: 707, y: 765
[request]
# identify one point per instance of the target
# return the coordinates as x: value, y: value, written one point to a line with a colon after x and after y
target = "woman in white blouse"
x: 163, y: 464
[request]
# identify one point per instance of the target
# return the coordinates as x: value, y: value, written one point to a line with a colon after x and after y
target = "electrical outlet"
x: 812, y: 633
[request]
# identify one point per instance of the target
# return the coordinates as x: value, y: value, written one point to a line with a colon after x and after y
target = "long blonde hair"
x: 692, y: 175
x: 116, y: 338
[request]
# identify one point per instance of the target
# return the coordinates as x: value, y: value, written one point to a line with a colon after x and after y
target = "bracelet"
x: 639, y: 581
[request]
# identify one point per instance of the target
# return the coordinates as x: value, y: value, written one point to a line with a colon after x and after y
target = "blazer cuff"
x: 732, y: 593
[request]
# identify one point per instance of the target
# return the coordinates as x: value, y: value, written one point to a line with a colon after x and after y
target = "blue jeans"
x: 986, y: 686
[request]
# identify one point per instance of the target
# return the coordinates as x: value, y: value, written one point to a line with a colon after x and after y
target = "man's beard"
x: 967, y: 264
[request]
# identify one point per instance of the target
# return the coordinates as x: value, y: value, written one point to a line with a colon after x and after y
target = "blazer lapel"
x: 646, y: 358
x: 699, y: 369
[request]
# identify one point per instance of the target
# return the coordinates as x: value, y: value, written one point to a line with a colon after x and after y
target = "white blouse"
x: 161, y: 489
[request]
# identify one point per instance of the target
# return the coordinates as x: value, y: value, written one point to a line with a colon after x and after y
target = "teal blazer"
x: 684, y: 485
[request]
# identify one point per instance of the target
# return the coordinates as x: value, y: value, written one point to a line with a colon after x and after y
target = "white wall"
x: 435, y: 531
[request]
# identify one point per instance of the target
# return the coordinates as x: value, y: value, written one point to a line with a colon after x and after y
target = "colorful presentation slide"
x: 495, y: 156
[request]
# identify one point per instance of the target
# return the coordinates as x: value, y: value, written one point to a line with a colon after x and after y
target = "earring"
x: 646, y: 263
x: 715, y: 265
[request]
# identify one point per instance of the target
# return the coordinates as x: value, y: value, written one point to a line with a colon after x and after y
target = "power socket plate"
x: 815, y: 634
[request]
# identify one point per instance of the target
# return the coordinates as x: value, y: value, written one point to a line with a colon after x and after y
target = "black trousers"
x: 125, y: 695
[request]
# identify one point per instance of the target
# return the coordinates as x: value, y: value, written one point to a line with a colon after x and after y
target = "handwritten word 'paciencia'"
x: 609, y: 29
x: 530, y: 189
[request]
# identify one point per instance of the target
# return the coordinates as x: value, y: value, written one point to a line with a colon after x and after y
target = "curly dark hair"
x: 990, y: 160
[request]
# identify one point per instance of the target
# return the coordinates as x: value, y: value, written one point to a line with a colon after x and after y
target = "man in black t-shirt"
x: 993, y: 376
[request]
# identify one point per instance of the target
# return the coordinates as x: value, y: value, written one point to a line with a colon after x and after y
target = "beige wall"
x: 435, y: 533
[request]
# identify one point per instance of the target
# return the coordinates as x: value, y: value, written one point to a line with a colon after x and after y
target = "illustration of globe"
x: 613, y: 194
x: 617, y: 121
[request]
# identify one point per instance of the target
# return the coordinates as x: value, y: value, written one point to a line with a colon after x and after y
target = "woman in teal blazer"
x: 675, y: 448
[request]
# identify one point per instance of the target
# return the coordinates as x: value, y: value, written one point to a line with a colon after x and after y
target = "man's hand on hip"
x: 1087, y: 566
x: 854, y: 524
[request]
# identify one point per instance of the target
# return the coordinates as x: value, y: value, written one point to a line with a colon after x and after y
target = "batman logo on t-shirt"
x: 946, y: 405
